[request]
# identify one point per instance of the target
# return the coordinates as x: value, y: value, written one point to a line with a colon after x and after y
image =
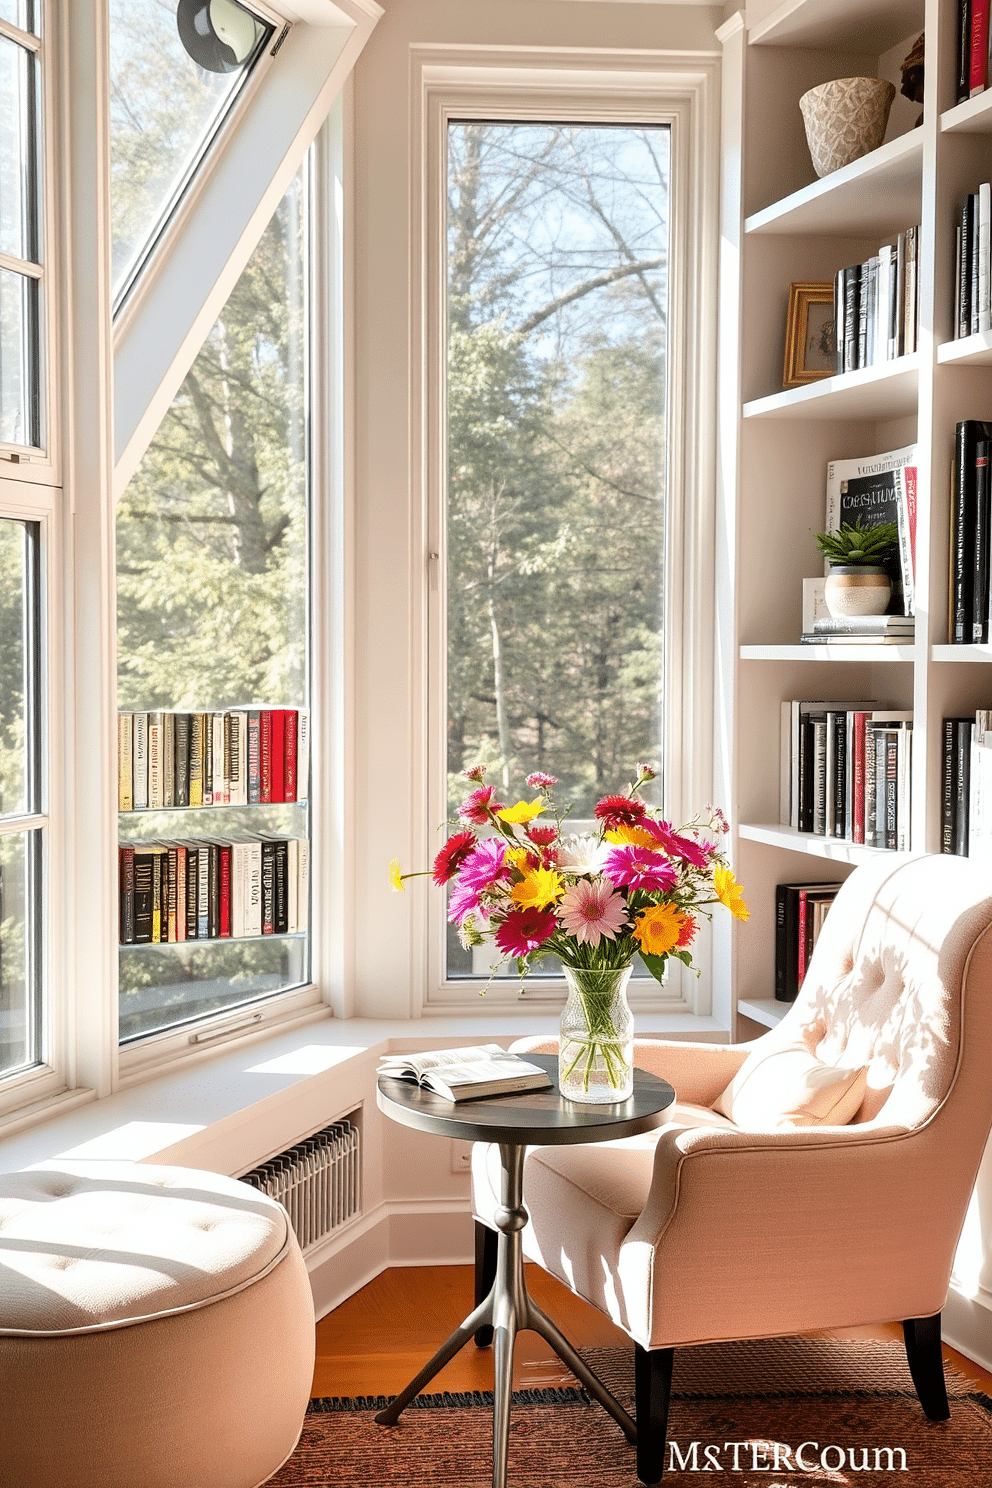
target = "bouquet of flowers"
x: 519, y: 880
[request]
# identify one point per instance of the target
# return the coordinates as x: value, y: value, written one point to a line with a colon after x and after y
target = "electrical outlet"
x: 461, y: 1156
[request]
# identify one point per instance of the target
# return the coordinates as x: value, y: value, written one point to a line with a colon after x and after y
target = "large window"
x: 555, y: 514
x: 175, y: 71
x: 213, y: 566
x: 22, y: 404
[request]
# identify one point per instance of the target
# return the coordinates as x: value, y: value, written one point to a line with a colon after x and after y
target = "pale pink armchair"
x: 702, y: 1231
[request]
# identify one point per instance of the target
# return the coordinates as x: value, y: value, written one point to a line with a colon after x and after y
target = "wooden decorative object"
x: 810, y: 335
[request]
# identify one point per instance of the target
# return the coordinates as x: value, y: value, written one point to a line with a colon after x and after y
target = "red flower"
x: 687, y: 934
x: 525, y: 930
x: 619, y: 811
x: 478, y: 805
x: 452, y: 856
x: 676, y: 844
x: 542, y: 836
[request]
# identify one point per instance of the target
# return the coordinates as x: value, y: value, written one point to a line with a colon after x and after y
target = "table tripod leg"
x: 477, y: 1319
x: 504, y: 1338
x: 543, y: 1325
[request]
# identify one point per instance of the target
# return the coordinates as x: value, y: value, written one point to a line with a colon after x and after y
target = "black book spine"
x: 852, y: 297
x: 780, y: 905
x: 126, y: 880
x: 964, y: 278
x: 182, y: 759
x: 962, y: 534
x: 839, y: 304
x: 143, y: 897
x: 948, y: 786
x: 192, y: 893
x: 282, y: 888
x: 864, y: 296
x: 963, y: 86
x: 840, y: 776
x: 956, y: 305
x: 963, y: 729
x: 805, y: 775
x: 268, y: 888
x: 980, y: 572
x: 820, y: 777
x: 975, y: 265
x: 891, y: 788
x: 213, y: 911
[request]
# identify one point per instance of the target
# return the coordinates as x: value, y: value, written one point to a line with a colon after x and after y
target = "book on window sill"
x: 467, y: 1074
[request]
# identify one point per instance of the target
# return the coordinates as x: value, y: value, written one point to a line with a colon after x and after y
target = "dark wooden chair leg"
x: 926, y: 1365
x: 486, y: 1241
x: 652, y: 1390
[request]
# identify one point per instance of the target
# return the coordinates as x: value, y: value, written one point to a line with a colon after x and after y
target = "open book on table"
x: 467, y: 1074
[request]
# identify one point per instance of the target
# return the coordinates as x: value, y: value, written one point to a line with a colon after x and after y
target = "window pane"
x: 19, y: 957
x: 20, y: 413
x: 557, y: 280
x: 214, y: 595
x: 164, y: 109
x: 18, y: 152
x: 15, y: 690
x: 21, y: 13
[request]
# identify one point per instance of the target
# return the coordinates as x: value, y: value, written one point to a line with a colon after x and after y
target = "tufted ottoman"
x: 156, y: 1329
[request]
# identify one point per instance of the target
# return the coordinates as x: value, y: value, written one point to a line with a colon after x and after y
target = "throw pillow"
x: 789, y: 1086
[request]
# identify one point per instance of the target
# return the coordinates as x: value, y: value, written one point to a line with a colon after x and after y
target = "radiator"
x: 318, y: 1181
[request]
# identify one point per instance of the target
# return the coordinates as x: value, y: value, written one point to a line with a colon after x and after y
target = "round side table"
x: 516, y: 1122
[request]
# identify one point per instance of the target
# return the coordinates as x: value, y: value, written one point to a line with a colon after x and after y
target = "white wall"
x: 390, y: 538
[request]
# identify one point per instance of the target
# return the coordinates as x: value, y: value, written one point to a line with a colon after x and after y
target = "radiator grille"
x: 318, y: 1181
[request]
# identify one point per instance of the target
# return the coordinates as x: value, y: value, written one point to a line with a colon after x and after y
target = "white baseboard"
x: 409, y: 1232
x: 966, y: 1324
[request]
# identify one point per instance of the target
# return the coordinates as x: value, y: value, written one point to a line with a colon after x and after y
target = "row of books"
x: 800, y: 910
x: 972, y: 308
x: 178, y: 891
x: 966, y: 786
x: 243, y: 757
x: 973, y: 49
x: 846, y: 771
x: 970, y: 592
x: 876, y: 305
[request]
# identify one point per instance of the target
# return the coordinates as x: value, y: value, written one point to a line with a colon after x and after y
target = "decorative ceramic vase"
x: 851, y: 590
x: 596, y: 1043
x: 845, y: 119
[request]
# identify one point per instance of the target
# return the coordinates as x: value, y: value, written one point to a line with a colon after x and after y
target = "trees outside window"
x: 557, y: 300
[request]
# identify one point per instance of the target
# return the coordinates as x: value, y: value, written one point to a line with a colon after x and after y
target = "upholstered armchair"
x: 704, y: 1230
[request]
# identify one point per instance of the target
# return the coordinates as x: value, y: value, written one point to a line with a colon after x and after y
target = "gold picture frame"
x: 810, y: 335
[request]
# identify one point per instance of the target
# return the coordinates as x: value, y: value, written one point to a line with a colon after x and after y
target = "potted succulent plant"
x: 858, y: 582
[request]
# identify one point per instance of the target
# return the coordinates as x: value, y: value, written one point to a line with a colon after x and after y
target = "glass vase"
x: 596, y: 1042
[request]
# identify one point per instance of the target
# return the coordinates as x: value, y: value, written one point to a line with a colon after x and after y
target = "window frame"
x: 632, y: 88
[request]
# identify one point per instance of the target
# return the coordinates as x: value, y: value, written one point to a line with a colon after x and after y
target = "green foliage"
x: 858, y: 546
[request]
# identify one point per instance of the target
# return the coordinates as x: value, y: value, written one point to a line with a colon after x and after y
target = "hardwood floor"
x: 377, y: 1340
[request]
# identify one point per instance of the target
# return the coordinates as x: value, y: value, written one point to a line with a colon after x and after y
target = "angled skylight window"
x: 175, y: 71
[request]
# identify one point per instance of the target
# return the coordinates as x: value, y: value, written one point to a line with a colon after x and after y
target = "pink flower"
x: 619, y: 811
x: 542, y: 836
x: 474, y: 772
x: 452, y: 855
x: 592, y: 912
x: 477, y: 806
x: 485, y: 866
x: 639, y: 868
x: 646, y: 772
x: 675, y: 844
x: 540, y: 781
x: 462, y: 902
x: 524, y: 930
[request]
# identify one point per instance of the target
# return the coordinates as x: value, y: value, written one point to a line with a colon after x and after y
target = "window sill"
x: 195, y: 1116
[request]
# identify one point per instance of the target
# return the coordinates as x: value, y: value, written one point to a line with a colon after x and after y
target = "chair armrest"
x: 698, y: 1072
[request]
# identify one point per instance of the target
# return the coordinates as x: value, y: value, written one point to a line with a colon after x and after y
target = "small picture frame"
x: 810, y: 335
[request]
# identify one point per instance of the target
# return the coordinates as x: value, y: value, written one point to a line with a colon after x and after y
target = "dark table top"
x: 536, y: 1118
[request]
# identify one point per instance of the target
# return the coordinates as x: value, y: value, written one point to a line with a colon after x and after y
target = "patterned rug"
x: 775, y: 1413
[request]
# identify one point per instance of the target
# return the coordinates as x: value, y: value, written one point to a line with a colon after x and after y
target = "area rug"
x: 775, y: 1413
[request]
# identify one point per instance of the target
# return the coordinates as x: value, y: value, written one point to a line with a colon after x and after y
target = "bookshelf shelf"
x: 888, y: 391
x: 838, y: 24
x: 792, y: 840
x: 981, y: 654
x: 765, y: 1010
x: 877, y: 194
x: 974, y: 350
x: 974, y: 116
x: 218, y: 806
x: 215, y: 940
x: 866, y: 653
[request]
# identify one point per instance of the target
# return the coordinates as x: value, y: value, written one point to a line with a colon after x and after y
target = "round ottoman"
x: 156, y: 1329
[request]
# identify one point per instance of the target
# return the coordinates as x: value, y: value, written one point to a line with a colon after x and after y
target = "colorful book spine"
x: 265, y: 755
x: 139, y: 763
x: 155, y: 794
x: 126, y: 881
x: 196, y: 731
x: 125, y: 747
x: 289, y: 754
x: 224, y: 853
x: 278, y: 783
x: 183, y: 739
x: 254, y: 759
x: 168, y: 759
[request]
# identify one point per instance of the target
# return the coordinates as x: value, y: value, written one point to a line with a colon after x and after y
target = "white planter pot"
x: 850, y: 591
x: 845, y: 119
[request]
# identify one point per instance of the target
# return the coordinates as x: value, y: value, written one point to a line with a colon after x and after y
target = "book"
x: 829, y: 626
x: 125, y: 746
x: 278, y: 782
x: 793, y: 946
x: 870, y: 490
x: 963, y: 730
x: 168, y: 759
x: 254, y: 759
x: 968, y: 433
x: 265, y: 755
x: 196, y: 758
x: 155, y: 796
x: 139, y: 761
x: 238, y: 782
x: 964, y: 275
x: 467, y: 1074
x: 840, y: 303
x: 289, y: 754
x: 984, y: 223
x: 980, y: 550
x: 219, y: 754
x: 852, y: 303
x: 125, y: 878
x: 183, y: 732
x: 142, y: 896
x: 963, y: 81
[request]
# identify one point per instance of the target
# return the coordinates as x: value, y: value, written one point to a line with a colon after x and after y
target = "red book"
x: 278, y: 754
x: 225, y: 889
x: 802, y: 937
x: 265, y: 754
x: 979, y: 46
x: 858, y: 783
x: 289, y: 754
x: 180, y: 892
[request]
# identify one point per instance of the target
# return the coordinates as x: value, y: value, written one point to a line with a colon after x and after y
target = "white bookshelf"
x: 781, y: 225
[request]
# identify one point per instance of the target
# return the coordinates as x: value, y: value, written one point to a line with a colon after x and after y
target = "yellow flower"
x: 395, y: 876
x: 634, y: 836
x: 730, y: 893
x: 538, y: 888
x: 522, y: 812
x: 658, y: 929
x: 517, y: 857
